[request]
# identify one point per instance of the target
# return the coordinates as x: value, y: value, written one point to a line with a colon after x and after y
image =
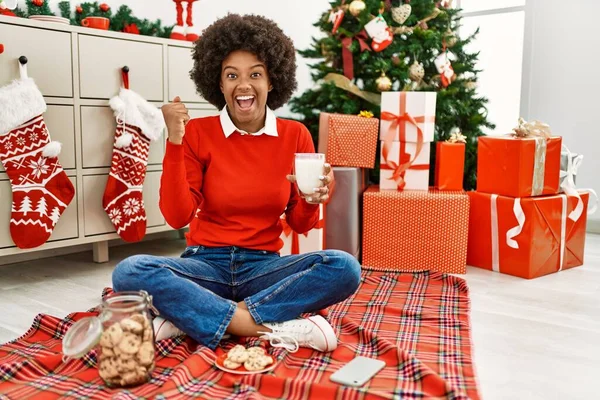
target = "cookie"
x: 132, y: 378
x: 147, y: 335
x: 238, y: 354
x: 126, y: 365
x: 106, y: 352
x: 108, y: 368
x: 130, y: 343
x: 129, y: 325
x: 146, y: 353
x: 256, y: 352
x: 115, y: 333
x: 231, y: 364
x: 140, y: 319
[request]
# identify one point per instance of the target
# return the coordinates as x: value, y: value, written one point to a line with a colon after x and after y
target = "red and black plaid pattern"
x: 417, y: 323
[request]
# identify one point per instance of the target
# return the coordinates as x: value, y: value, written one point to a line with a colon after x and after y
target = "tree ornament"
x: 381, y: 33
x: 356, y: 7
x: 104, y: 7
x: 401, y: 14
x: 470, y: 85
x: 450, y: 38
x: 78, y: 9
x: 336, y: 17
x: 383, y: 82
x: 444, y: 67
x: 396, y: 60
x: 416, y: 72
x: 38, y: 3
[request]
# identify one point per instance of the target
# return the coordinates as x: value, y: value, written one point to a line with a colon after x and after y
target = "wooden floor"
x: 537, y: 339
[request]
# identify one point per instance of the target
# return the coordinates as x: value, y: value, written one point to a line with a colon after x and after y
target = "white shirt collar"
x: 229, y: 128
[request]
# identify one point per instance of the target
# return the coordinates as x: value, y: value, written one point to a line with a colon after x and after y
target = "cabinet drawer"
x: 95, y: 219
x: 180, y: 83
x: 98, y: 127
x: 203, y: 112
x: 49, y: 55
x: 60, y: 124
x: 101, y: 60
x: 66, y: 227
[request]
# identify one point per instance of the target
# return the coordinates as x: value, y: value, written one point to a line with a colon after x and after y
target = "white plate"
x: 242, y: 370
x: 50, y: 18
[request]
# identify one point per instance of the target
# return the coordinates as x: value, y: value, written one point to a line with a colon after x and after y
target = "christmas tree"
x: 354, y: 67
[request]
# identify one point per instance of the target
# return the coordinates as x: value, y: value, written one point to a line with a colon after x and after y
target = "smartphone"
x: 358, y: 371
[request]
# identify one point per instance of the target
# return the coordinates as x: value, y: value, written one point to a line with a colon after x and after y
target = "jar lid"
x: 82, y: 337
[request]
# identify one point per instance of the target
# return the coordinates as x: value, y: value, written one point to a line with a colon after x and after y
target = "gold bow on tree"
x: 532, y: 129
x: 457, y: 137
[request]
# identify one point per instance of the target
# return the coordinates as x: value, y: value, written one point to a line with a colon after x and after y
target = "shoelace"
x: 284, y: 341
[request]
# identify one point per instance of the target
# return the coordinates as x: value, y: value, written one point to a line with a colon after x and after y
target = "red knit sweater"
x: 232, y: 191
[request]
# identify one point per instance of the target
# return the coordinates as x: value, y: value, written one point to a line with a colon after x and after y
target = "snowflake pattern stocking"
x: 41, y: 190
x: 138, y: 122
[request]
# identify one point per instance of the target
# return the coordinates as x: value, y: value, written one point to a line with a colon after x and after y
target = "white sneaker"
x: 164, y: 329
x: 314, y: 332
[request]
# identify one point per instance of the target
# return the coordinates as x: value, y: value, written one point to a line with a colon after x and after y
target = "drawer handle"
x: 23, y: 60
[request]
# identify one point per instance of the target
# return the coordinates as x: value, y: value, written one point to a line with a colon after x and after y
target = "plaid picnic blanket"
x: 417, y: 323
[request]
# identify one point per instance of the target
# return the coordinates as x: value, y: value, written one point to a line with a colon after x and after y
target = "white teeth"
x: 244, y: 97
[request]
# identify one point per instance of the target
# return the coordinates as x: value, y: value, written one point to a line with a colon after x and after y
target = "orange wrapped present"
x: 296, y: 243
x: 348, y: 140
x: 527, y: 237
x: 521, y: 165
x: 414, y: 230
x: 450, y: 163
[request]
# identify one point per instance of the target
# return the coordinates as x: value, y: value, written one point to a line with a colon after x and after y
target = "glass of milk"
x: 307, y: 168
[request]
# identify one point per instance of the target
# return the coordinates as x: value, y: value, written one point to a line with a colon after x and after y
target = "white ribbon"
x: 516, y: 231
x: 568, y: 184
x: 495, y: 250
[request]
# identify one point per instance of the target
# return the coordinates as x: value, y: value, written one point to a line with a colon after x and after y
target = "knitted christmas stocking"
x: 178, y: 32
x: 138, y: 122
x: 191, y: 34
x: 41, y: 189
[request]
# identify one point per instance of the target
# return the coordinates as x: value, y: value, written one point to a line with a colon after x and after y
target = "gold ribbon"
x: 540, y: 132
x: 346, y: 84
x: 457, y: 137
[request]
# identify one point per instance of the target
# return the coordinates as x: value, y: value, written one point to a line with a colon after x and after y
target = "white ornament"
x: 401, y: 14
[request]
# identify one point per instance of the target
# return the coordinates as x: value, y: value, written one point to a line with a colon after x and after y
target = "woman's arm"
x: 181, y: 180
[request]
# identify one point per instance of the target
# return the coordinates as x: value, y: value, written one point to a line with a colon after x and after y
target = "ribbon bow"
x: 457, y: 137
x: 532, y: 129
x: 362, y: 38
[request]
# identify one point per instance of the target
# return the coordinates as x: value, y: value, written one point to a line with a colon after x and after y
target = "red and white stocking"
x: 381, y: 33
x: 178, y: 32
x: 191, y: 33
x: 138, y: 122
x: 41, y: 191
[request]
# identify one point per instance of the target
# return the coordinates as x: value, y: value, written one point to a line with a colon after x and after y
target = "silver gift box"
x: 564, y: 162
x: 343, y: 216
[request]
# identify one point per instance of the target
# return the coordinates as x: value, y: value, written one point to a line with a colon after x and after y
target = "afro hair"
x: 251, y: 33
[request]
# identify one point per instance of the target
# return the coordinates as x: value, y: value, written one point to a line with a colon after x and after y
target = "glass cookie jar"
x: 123, y: 337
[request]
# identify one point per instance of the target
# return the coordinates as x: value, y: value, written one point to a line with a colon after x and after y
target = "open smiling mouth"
x: 245, y: 102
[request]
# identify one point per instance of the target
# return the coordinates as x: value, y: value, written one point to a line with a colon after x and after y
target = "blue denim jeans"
x: 199, y: 291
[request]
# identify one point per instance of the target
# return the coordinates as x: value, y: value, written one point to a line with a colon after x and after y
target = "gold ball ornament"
x: 451, y: 38
x: 383, y: 83
x: 416, y: 72
x: 356, y: 7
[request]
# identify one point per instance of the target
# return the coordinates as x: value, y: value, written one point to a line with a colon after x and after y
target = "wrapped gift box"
x: 518, y: 167
x: 296, y: 243
x: 397, y: 174
x: 344, y: 210
x: 449, y: 165
x: 407, y: 128
x: 404, y: 114
x: 348, y: 140
x: 414, y: 230
x: 527, y: 237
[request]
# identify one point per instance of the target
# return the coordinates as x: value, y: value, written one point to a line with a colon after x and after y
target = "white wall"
x: 560, y: 85
x: 294, y: 17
